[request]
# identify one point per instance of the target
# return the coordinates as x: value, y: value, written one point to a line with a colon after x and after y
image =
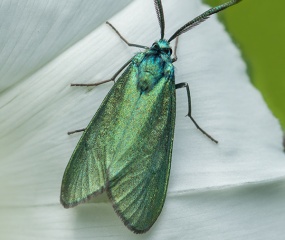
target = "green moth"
x: 126, y: 148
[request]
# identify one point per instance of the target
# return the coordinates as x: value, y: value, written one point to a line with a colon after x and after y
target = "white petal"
x: 35, y: 32
x: 232, y: 190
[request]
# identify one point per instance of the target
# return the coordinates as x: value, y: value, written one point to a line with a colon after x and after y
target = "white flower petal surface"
x: 233, y: 190
x: 35, y: 32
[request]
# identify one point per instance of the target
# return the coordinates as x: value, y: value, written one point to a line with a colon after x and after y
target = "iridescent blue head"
x: 162, y: 46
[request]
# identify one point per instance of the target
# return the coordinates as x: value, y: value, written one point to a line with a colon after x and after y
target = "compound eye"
x: 167, y: 51
x: 155, y: 46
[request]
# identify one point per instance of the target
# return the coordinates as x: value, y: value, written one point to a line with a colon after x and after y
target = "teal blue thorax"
x: 153, y: 65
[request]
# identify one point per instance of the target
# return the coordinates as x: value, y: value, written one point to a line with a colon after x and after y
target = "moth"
x: 126, y: 148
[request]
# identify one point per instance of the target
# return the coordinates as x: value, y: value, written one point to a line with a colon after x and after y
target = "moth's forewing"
x: 85, y: 174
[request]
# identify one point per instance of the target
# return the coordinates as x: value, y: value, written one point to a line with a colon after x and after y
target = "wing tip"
x: 124, y: 220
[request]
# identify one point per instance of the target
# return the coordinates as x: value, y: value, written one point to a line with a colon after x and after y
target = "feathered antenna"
x: 160, y: 16
x: 201, y: 18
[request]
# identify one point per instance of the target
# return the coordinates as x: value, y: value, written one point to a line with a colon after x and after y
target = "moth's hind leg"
x: 182, y: 85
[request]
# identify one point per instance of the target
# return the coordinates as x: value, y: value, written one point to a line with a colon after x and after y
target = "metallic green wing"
x: 126, y: 149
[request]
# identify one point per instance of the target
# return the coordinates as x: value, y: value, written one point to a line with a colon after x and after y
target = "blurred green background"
x: 258, y: 28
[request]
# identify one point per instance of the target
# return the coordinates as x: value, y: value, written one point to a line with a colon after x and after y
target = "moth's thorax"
x: 154, y: 65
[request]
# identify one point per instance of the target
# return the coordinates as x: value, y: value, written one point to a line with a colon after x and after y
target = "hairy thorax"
x: 150, y: 71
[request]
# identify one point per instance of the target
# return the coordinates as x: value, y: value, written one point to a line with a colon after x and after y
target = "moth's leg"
x: 174, y: 59
x: 129, y: 44
x: 182, y: 85
x: 76, y: 131
x: 96, y: 84
x: 105, y: 81
x: 118, y: 72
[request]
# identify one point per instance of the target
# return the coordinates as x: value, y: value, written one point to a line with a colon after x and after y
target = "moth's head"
x: 162, y: 46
